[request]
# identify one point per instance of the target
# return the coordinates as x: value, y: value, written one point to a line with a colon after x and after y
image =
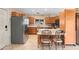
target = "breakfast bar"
x: 51, y: 35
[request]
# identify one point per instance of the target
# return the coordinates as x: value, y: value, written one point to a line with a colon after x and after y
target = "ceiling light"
x: 37, y: 13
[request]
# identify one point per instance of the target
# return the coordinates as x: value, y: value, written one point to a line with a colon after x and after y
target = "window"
x: 39, y: 21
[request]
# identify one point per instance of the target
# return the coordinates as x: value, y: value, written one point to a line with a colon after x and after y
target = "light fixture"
x: 37, y: 13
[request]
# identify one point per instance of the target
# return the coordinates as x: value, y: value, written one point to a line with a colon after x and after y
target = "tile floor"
x: 31, y: 44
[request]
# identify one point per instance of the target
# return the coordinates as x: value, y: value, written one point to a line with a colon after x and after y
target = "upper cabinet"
x: 14, y: 13
x: 31, y: 20
x: 49, y: 20
x: 62, y: 20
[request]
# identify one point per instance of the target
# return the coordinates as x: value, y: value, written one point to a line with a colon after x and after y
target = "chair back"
x: 59, y: 35
x: 46, y: 34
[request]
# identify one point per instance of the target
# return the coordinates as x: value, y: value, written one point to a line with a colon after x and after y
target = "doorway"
x: 77, y: 28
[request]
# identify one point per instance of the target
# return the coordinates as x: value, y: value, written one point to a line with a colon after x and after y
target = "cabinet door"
x: 31, y: 20
x: 62, y: 20
x: 48, y: 20
x: 4, y: 28
x: 32, y: 30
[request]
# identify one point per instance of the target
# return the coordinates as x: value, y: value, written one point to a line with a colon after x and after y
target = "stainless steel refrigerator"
x: 17, y: 30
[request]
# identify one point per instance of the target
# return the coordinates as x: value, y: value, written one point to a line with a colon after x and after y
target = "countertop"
x: 52, y: 30
x: 34, y: 25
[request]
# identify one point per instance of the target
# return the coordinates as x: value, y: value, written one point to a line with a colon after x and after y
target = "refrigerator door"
x: 17, y: 29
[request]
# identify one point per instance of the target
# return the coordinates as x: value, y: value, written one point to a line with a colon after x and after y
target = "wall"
x: 70, y: 37
x: 5, y: 34
x: 9, y: 26
x: 67, y: 23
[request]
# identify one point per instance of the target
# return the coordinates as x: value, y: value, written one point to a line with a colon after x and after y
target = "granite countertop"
x: 52, y: 30
x: 34, y: 25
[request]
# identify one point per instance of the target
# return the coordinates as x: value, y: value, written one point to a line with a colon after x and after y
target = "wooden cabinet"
x: 62, y: 20
x: 49, y: 20
x: 14, y: 13
x: 32, y: 30
x: 31, y: 20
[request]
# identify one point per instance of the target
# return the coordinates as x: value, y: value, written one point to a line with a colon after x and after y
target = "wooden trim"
x: 77, y: 14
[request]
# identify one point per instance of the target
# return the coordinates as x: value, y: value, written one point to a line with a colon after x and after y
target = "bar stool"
x: 59, y: 39
x: 46, y: 39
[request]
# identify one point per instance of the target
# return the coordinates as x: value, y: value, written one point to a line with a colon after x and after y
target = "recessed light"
x: 37, y: 13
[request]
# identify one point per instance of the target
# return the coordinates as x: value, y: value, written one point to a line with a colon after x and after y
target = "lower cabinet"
x: 32, y: 30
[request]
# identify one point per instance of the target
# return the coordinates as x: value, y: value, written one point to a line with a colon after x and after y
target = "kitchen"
x: 39, y: 19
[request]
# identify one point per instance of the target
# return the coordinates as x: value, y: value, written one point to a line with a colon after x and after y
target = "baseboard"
x: 70, y: 44
x: 7, y: 47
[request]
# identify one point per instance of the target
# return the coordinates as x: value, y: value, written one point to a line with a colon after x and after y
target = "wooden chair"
x: 59, y: 39
x: 45, y: 39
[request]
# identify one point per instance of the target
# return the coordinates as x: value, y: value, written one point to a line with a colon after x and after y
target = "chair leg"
x: 49, y: 47
x: 42, y: 47
x: 52, y: 43
x: 38, y: 45
x: 63, y: 46
x: 56, y: 45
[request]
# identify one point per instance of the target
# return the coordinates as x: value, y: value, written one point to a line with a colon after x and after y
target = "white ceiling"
x: 41, y: 11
